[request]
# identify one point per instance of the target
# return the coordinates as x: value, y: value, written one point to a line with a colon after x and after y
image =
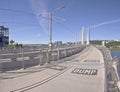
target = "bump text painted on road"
x: 85, y: 71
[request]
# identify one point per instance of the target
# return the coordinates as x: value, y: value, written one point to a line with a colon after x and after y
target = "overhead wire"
x: 17, y: 11
x: 32, y: 14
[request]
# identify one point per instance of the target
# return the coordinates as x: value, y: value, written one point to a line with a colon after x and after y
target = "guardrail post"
x: 66, y: 52
x: 78, y: 49
x: 116, y: 70
x: 48, y: 56
x: 53, y: 56
x: 74, y: 51
x: 71, y: 51
x: 0, y: 67
x: 23, y: 61
x: 58, y: 54
x: 40, y: 62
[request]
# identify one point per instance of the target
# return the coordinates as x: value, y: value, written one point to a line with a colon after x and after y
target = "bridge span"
x: 83, y: 72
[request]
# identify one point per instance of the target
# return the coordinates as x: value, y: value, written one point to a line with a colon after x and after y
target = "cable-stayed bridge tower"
x: 82, y: 40
x: 88, y: 36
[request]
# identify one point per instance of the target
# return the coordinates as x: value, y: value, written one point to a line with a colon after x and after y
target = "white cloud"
x: 40, y: 7
x: 105, y: 23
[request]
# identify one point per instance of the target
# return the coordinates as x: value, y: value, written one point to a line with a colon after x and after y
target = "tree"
x: 11, y: 43
x: 113, y: 44
x: 20, y: 45
x: 16, y: 45
x: 96, y: 42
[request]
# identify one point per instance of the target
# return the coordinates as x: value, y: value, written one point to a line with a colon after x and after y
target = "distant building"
x: 57, y: 44
x: 70, y: 43
x: 4, y: 36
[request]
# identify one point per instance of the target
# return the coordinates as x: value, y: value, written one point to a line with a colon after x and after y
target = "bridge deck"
x: 85, y: 72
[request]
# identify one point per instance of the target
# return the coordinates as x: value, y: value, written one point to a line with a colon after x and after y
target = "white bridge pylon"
x: 82, y: 41
x: 88, y: 36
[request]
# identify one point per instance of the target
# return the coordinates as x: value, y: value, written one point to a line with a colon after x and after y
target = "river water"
x: 116, y: 53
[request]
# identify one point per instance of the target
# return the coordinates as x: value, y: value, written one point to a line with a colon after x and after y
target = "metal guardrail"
x: 23, y: 59
x: 112, y: 70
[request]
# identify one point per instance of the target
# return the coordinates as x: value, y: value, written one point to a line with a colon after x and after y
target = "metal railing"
x: 112, y: 70
x: 23, y: 59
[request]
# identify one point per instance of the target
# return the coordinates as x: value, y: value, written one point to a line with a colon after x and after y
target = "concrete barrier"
x: 28, y: 59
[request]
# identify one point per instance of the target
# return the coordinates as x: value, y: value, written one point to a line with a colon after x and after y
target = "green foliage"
x: 16, y: 45
x: 115, y: 48
x: 11, y: 44
x: 110, y: 44
x: 113, y: 44
x: 20, y: 45
x: 96, y: 42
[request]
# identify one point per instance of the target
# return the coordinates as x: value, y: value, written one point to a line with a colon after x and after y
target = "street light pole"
x: 50, y: 31
x: 50, y: 25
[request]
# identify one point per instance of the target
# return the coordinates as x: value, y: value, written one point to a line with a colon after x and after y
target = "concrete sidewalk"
x: 84, y: 73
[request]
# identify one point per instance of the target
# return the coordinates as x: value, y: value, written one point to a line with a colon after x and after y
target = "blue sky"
x: 103, y: 16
